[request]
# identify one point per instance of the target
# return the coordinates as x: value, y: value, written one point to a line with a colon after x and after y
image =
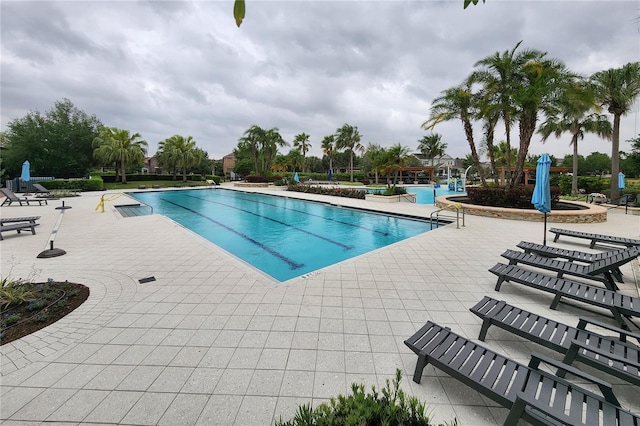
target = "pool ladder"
x: 438, y: 215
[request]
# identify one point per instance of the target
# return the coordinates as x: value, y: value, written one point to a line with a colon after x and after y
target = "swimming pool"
x: 283, y: 237
x: 424, y: 194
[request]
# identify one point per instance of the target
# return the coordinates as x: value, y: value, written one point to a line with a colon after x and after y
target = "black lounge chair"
x: 605, y: 353
x: 595, y: 238
x: 545, y: 397
x: 40, y: 190
x: 621, y: 306
x: 11, y: 198
x: 571, y: 255
x: 18, y: 224
x: 601, y: 270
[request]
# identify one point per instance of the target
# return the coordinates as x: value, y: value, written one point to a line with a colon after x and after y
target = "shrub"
x: 13, y: 292
x: 517, y: 198
x: 337, y: 192
x: 94, y: 184
x: 389, y: 407
x: 392, y: 190
x: 256, y: 179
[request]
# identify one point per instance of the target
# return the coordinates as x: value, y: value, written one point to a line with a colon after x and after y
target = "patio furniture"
x: 11, y: 198
x: 621, y: 306
x: 595, y: 238
x: 18, y: 224
x: 601, y: 270
x: 40, y: 190
x: 605, y: 353
x: 512, y: 384
x: 570, y: 255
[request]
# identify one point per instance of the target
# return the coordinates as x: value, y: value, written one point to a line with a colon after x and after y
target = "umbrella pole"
x: 544, y: 237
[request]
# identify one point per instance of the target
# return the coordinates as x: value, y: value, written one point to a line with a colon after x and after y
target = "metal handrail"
x: 457, y: 207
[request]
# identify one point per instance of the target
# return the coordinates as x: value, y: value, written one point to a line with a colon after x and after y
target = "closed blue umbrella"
x: 296, y: 177
x: 621, y: 180
x: 541, y: 198
x: 330, y: 174
x: 26, y: 173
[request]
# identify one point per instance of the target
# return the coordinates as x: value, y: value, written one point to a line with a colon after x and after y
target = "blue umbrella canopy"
x: 296, y: 177
x: 541, y: 198
x: 26, y: 173
x: 621, y: 180
x: 330, y: 174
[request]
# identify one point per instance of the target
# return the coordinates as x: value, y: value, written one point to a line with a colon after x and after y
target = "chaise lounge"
x: 595, y: 238
x: 621, y: 306
x: 534, y: 395
x: 605, y: 353
x: 18, y: 224
x: 601, y: 270
x: 11, y: 198
x: 571, y: 255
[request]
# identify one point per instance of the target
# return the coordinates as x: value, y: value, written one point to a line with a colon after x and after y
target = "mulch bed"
x: 37, y: 305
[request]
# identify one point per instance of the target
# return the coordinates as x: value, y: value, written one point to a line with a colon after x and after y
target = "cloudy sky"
x: 161, y: 68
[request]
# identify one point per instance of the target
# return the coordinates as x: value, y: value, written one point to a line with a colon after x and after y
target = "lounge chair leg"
x: 417, y: 374
x: 556, y: 238
x: 555, y: 302
x: 516, y: 412
x: 568, y: 359
x: 593, y: 243
x: 486, y: 323
x: 608, y: 281
x: 499, y: 283
x: 617, y: 274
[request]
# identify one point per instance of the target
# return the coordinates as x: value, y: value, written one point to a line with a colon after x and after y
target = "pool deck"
x: 215, y: 341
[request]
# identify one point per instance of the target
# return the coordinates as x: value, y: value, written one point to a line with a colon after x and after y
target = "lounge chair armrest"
x: 605, y: 387
x: 582, y: 324
x: 603, y: 353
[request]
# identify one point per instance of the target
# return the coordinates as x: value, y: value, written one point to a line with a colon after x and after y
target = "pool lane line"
x: 386, y: 234
x: 293, y: 265
x: 329, y: 240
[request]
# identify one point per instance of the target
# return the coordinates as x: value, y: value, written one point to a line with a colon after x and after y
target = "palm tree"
x: 375, y: 156
x: 347, y: 137
x: 431, y: 146
x: 498, y: 77
x: 617, y: 89
x: 457, y: 103
x: 183, y: 151
x: 572, y: 117
x: 295, y: 159
x: 302, y: 141
x: 271, y: 141
x: 396, y: 158
x: 118, y: 145
x: 251, y: 141
x: 328, y: 148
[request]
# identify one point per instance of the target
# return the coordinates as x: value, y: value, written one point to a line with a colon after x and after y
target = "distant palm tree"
x: 272, y: 140
x: 617, y: 89
x: 347, y: 137
x: 301, y: 141
x: 183, y: 151
x: 572, y: 116
x: 431, y: 146
x: 251, y: 140
x: 396, y: 157
x: 328, y: 148
x: 295, y: 159
x: 120, y: 146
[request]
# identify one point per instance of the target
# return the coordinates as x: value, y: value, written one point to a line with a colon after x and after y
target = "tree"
x: 348, y: 138
x: 261, y: 145
x: 182, y: 151
x: 301, y: 141
x: 118, y: 145
x: 250, y: 142
x: 571, y: 115
x: 598, y: 163
x: 396, y: 157
x: 632, y: 161
x: 57, y: 143
x: 328, y: 148
x: 375, y: 160
x: 617, y: 89
x: 431, y: 146
x: 457, y: 103
x: 295, y: 159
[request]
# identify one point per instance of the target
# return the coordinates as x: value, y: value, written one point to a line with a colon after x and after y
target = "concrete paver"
x: 215, y: 341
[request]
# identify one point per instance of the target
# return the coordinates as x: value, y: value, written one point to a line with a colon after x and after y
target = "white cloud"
x: 162, y: 68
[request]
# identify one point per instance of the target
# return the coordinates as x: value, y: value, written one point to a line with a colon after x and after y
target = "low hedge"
x: 517, y: 198
x: 337, y: 192
x: 589, y: 184
x: 111, y: 178
x: 93, y: 184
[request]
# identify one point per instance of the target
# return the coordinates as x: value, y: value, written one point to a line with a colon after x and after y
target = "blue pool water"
x: 424, y: 194
x: 283, y: 237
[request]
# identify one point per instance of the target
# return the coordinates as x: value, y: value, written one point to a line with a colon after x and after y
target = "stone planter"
x: 404, y: 198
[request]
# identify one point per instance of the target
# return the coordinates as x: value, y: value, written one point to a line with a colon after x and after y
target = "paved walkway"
x: 214, y: 341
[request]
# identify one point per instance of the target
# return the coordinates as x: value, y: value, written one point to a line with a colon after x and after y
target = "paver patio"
x: 215, y: 341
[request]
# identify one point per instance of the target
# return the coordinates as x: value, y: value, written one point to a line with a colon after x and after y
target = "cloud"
x: 162, y: 68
